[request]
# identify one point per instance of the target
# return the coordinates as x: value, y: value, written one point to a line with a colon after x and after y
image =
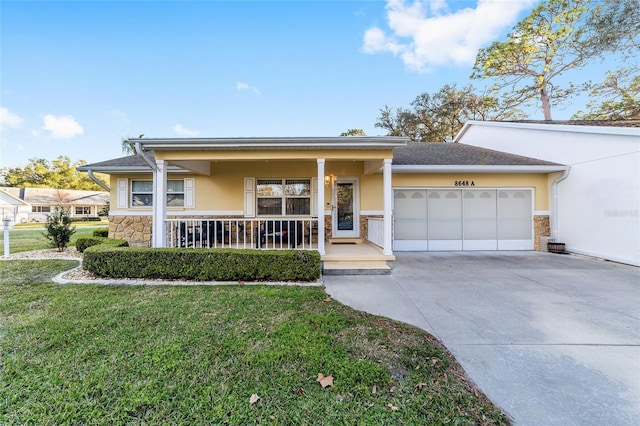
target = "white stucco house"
x: 24, y: 205
x: 597, y: 200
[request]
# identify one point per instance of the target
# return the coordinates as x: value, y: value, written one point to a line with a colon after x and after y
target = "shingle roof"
x: 128, y: 161
x: 456, y: 154
x: 49, y: 196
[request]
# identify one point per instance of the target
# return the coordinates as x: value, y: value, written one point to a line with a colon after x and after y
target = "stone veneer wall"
x: 134, y: 229
x: 541, y: 228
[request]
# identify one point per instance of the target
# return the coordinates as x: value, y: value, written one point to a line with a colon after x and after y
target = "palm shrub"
x: 59, y: 229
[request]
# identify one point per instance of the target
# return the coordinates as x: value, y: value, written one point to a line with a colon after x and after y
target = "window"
x: 40, y: 209
x: 175, y: 193
x: 283, y: 197
x: 142, y: 193
x: 83, y: 211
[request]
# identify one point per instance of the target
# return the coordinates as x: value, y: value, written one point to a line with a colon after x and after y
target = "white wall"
x: 599, y: 203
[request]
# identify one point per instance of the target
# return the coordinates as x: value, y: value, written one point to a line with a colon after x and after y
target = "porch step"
x: 356, y: 268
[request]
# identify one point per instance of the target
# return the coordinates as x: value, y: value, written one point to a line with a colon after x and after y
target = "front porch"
x: 343, y: 256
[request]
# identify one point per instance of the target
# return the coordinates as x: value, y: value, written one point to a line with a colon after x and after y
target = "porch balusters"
x: 236, y: 233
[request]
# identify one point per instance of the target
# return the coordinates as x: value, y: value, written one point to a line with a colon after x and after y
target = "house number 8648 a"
x: 464, y: 183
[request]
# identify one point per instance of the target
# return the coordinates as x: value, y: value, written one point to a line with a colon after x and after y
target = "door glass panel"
x: 344, y: 201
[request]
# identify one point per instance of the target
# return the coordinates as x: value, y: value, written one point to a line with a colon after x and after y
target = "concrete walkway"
x: 551, y: 339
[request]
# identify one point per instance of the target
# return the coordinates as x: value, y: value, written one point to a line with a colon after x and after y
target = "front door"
x: 346, y: 212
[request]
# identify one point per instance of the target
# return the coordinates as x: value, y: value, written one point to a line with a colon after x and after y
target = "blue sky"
x: 76, y: 77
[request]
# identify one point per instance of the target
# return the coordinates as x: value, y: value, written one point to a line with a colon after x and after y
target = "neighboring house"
x: 12, y: 207
x: 37, y: 203
x: 598, y: 199
x: 327, y: 194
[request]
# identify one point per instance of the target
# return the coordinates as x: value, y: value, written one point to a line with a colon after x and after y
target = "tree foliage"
x: 557, y: 36
x: 60, y: 173
x: 59, y: 229
x: 353, y: 132
x: 438, y: 117
x: 617, y: 98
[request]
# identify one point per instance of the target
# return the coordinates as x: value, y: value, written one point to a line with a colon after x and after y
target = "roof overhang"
x: 269, y: 143
x: 128, y: 169
x: 572, y: 128
x: 479, y: 169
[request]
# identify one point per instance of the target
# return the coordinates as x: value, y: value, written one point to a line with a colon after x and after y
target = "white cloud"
x: 62, y: 127
x: 9, y: 119
x: 185, y: 132
x: 429, y: 35
x: 120, y: 116
x: 241, y: 86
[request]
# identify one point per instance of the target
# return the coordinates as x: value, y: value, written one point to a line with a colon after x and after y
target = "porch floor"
x: 355, y: 258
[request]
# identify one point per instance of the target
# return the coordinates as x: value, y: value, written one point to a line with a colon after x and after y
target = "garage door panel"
x: 463, y: 219
x: 410, y: 230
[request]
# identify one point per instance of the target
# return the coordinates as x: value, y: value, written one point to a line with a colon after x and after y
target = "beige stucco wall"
x: 539, y: 182
x: 224, y: 189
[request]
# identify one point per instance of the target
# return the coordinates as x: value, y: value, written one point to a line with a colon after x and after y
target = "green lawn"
x: 34, y: 239
x: 85, y: 354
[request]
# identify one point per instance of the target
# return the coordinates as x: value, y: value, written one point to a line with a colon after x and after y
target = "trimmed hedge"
x: 203, y: 264
x: 86, y: 219
x: 83, y: 243
x: 101, y: 232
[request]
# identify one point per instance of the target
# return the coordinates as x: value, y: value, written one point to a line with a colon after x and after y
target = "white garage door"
x: 463, y: 219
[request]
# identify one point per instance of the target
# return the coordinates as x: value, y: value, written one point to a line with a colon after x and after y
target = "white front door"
x: 345, y: 212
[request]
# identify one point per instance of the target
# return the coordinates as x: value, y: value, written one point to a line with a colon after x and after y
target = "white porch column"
x: 321, y: 206
x: 159, y: 204
x: 387, y: 191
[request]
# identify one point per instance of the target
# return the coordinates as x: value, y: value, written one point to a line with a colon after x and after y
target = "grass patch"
x: 86, y: 354
x: 34, y: 239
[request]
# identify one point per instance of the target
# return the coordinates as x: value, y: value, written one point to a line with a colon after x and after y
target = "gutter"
x: 145, y: 158
x: 98, y: 181
x: 478, y: 168
x: 554, y: 203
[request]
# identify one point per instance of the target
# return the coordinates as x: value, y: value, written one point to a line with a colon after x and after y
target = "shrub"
x: 83, y: 243
x: 203, y: 264
x: 86, y: 219
x: 59, y: 229
x: 101, y: 232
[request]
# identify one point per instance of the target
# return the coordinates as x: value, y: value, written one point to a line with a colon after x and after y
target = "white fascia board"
x: 571, y: 128
x: 129, y: 170
x: 351, y: 142
x: 479, y: 169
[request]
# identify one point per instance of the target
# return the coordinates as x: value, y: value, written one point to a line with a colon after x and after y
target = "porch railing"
x: 375, y: 227
x: 275, y: 234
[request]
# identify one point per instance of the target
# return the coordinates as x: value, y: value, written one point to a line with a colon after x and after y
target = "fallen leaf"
x: 325, y: 381
x: 272, y: 417
x: 374, y: 390
x: 327, y: 299
x: 392, y: 407
x: 420, y: 385
x: 300, y: 391
x: 254, y: 398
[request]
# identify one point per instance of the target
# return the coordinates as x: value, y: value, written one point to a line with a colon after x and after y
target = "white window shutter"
x: 249, y: 197
x: 314, y: 197
x: 123, y: 193
x: 189, y: 193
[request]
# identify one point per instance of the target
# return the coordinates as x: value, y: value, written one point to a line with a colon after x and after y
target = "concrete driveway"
x: 551, y: 339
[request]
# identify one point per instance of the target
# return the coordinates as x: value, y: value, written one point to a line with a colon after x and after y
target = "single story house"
x: 12, y: 206
x: 330, y: 194
x: 37, y: 203
x: 598, y: 200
